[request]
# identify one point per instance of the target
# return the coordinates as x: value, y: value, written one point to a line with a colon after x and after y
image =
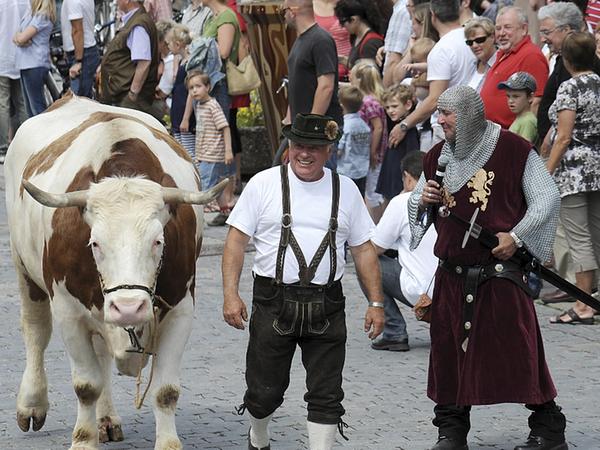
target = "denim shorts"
x: 211, y: 173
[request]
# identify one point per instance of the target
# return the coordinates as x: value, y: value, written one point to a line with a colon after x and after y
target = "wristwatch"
x: 403, y: 126
x: 79, y: 61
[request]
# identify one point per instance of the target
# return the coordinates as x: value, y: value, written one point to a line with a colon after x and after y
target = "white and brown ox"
x: 108, y: 224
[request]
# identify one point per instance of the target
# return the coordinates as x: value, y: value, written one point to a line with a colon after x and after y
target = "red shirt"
x: 525, y: 57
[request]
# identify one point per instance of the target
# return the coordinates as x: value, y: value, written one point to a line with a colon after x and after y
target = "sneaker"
x: 391, y: 345
x: 219, y: 220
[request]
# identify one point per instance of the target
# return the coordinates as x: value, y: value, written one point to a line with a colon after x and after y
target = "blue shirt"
x: 38, y: 53
x: 354, y: 147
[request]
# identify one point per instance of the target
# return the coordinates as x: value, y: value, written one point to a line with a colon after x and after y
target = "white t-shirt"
x: 167, y: 79
x: 74, y: 10
x: 258, y: 214
x: 418, y: 266
x: 451, y: 59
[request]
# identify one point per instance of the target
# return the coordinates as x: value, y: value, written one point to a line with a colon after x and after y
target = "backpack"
x: 204, y: 56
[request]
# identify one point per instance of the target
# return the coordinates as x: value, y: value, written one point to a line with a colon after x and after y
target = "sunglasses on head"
x: 479, y: 40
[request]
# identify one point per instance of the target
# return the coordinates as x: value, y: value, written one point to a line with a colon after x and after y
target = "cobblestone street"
x: 386, y: 405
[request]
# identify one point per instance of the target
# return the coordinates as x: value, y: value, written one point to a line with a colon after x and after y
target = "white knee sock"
x: 321, y: 436
x: 259, y: 435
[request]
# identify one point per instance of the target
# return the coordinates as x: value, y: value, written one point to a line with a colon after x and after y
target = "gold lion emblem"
x: 447, y: 198
x: 480, y: 183
x: 331, y: 130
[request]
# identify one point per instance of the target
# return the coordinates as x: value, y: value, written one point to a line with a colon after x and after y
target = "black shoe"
x: 388, y: 344
x: 540, y: 443
x: 252, y: 447
x: 446, y: 443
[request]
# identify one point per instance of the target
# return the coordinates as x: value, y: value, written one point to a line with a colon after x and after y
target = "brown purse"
x: 422, y: 308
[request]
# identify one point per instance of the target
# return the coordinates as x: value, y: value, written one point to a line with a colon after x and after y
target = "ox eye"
x: 94, y: 244
x: 158, y: 243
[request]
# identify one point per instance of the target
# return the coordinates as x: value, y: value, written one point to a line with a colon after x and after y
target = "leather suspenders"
x: 307, y: 272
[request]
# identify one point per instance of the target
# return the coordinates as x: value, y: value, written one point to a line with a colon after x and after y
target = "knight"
x: 486, y: 346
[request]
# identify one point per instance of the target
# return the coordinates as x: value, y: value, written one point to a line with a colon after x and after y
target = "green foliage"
x: 251, y: 116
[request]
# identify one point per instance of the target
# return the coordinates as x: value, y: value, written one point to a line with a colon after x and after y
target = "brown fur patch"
x: 44, y: 160
x: 61, y: 101
x: 167, y: 397
x: 68, y: 257
x: 86, y: 393
x: 36, y: 294
x: 82, y: 435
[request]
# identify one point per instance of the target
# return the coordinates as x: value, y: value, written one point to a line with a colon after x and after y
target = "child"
x: 366, y: 77
x: 419, y: 52
x: 213, y: 143
x: 182, y: 125
x: 355, y: 145
x: 162, y: 100
x: 398, y: 100
x: 520, y: 87
x: 32, y: 55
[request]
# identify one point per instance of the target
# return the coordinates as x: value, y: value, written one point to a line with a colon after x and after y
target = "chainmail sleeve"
x: 537, y: 229
x: 418, y: 222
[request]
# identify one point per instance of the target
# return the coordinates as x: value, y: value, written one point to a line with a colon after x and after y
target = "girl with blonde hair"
x: 366, y: 77
x: 33, y: 52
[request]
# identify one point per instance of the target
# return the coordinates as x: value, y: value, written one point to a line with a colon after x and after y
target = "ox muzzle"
x: 129, y: 304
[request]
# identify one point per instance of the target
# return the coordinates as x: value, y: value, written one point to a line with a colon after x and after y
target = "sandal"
x: 575, y: 319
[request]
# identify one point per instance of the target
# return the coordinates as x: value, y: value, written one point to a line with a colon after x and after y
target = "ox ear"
x: 175, y: 195
x: 75, y: 198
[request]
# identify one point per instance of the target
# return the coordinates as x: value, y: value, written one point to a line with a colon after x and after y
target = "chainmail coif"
x: 475, y: 138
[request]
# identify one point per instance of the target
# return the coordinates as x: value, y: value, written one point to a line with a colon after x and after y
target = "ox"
x: 105, y: 228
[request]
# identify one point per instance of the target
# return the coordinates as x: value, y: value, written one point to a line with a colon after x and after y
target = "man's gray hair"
x: 564, y: 14
x: 521, y: 15
x: 445, y: 10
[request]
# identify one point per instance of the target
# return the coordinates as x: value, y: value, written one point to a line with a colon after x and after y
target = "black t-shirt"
x: 366, y: 48
x: 313, y: 54
x: 556, y: 78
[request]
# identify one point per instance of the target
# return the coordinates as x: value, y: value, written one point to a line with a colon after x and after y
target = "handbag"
x: 422, y: 307
x: 243, y: 78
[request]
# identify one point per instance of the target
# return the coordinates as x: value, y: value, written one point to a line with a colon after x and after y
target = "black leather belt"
x: 478, y: 274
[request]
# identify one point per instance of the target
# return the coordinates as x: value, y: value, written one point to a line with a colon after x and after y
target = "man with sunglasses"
x: 516, y: 53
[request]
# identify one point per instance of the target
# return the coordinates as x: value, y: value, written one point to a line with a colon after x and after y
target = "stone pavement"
x: 386, y: 406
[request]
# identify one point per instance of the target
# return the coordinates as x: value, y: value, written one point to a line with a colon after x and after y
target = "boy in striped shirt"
x: 214, y: 153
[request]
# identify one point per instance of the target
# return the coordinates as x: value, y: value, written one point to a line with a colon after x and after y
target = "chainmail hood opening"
x: 475, y: 138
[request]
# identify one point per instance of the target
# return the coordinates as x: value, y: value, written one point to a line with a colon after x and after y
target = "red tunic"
x: 504, y: 361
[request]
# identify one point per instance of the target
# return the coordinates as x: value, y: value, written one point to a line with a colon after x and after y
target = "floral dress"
x: 579, y: 168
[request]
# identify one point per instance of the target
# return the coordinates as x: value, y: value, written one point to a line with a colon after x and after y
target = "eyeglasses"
x: 478, y: 40
x: 548, y: 32
x: 344, y: 20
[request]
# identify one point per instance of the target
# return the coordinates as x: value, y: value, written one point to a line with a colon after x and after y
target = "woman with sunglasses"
x: 479, y: 34
x: 363, y: 22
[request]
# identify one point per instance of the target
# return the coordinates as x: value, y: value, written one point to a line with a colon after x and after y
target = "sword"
x: 522, y: 257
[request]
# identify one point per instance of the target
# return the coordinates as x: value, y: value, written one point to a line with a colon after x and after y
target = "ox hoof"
x: 170, y: 443
x: 31, y: 418
x: 108, y: 431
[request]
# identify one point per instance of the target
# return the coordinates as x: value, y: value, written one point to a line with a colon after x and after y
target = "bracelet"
x: 79, y: 61
x: 375, y: 304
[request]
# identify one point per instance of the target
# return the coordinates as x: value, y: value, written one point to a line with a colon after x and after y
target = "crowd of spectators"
x: 534, y: 64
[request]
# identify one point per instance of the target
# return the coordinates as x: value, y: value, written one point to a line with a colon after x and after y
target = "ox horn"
x: 75, y: 198
x: 175, y: 195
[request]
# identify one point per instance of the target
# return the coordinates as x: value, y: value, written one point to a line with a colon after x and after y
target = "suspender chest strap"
x: 307, y: 272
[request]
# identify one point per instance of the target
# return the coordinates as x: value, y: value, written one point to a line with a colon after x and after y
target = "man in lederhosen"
x: 300, y: 216
x: 486, y: 346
